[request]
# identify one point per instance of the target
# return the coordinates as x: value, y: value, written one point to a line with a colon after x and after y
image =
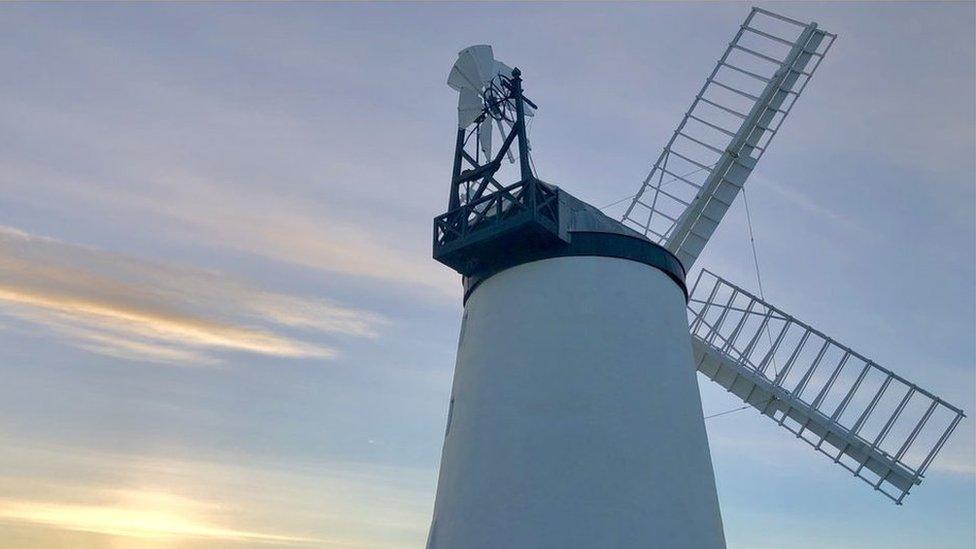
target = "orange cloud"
x: 145, y: 515
x: 141, y: 500
x: 124, y: 307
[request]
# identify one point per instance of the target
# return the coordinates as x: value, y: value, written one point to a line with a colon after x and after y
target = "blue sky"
x: 220, y: 324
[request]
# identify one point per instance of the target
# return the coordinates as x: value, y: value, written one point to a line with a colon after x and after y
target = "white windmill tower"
x: 575, y: 418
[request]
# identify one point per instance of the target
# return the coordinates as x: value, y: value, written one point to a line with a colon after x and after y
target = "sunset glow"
x: 222, y: 327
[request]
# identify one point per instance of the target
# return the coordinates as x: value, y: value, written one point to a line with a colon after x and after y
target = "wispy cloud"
x: 294, y: 231
x: 124, y: 307
x: 959, y: 463
x: 225, y: 215
x: 136, y: 514
x: 130, y: 497
x: 776, y: 451
x: 308, y: 214
x: 800, y: 200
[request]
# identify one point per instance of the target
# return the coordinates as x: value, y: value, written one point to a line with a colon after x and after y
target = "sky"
x: 220, y: 325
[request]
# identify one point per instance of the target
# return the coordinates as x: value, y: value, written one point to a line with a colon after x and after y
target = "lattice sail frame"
x: 881, y: 427
x: 728, y: 128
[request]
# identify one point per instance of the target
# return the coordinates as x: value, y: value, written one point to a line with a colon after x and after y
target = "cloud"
x: 226, y: 215
x: 330, y: 213
x: 141, y: 515
x: 130, y: 497
x: 953, y: 465
x: 800, y: 200
x: 125, y: 307
x: 293, y: 231
x: 774, y: 449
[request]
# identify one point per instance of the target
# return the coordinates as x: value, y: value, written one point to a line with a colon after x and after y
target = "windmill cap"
x: 585, y: 231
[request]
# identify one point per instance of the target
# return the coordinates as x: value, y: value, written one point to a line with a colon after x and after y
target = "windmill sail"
x: 726, y: 131
x: 881, y: 427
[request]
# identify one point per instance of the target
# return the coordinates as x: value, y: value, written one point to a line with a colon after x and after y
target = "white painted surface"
x: 576, y: 420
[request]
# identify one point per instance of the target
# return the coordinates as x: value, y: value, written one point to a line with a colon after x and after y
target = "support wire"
x: 755, y: 258
x: 769, y: 337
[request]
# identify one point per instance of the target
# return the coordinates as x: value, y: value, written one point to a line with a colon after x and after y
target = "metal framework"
x: 487, y: 219
x: 729, y: 126
x: 493, y: 213
x: 881, y: 427
x: 474, y: 172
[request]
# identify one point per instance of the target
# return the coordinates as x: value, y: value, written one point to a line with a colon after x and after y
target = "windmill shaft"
x: 523, y: 143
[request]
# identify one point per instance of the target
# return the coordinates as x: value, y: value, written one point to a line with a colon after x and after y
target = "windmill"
x: 575, y: 418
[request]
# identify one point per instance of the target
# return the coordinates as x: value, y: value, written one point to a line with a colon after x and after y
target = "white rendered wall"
x: 575, y: 419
